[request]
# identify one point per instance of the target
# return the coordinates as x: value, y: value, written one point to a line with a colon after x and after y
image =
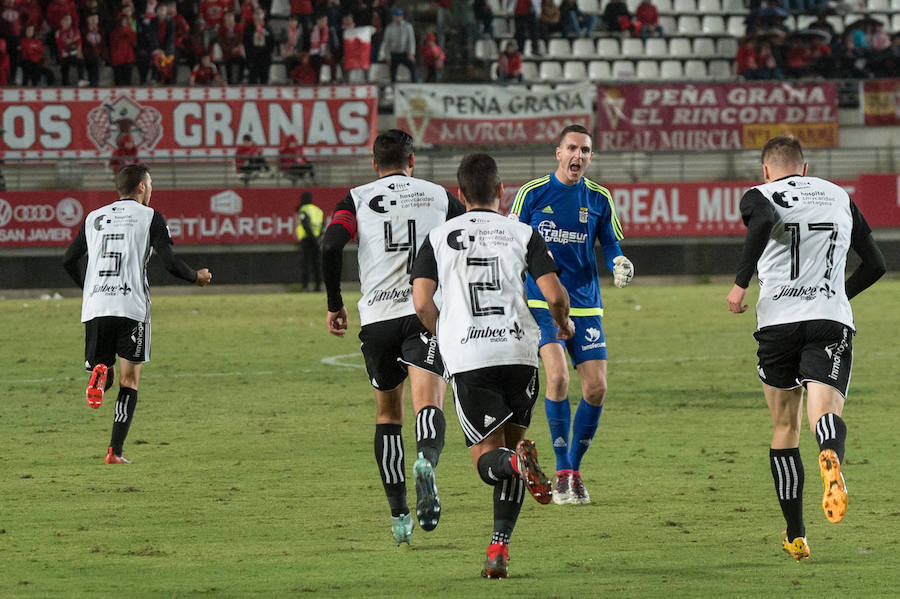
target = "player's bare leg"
x: 786, y: 410
x: 824, y: 406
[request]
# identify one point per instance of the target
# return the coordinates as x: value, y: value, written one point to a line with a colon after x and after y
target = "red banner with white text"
x: 712, y: 116
x: 186, y: 121
x: 267, y: 215
x: 880, y: 101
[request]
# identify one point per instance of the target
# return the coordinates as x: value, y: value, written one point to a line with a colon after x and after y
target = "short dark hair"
x: 572, y: 129
x: 478, y: 179
x: 784, y: 151
x: 392, y: 149
x: 305, y: 198
x: 128, y: 179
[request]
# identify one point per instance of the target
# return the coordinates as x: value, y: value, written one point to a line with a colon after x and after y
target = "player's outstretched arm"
x: 623, y: 271
x: 558, y: 301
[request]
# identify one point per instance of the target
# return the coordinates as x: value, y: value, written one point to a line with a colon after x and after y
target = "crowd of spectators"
x: 772, y: 50
x: 68, y: 42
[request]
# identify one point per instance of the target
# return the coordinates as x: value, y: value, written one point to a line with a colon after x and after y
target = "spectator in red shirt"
x: 509, y: 65
x: 248, y: 159
x: 124, y: 154
x: 291, y: 161
x: 303, y: 73
x: 183, y: 47
x: 10, y: 32
x: 230, y: 49
x: 55, y: 11
x: 525, y: 16
x: 4, y: 64
x: 94, y: 48
x: 32, y: 13
x: 32, y: 49
x: 122, y: 41
x: 68, y: 50
x: 646, y: 20
x: 211, y: 14
x: 433, y: 58
x: 205, y: 73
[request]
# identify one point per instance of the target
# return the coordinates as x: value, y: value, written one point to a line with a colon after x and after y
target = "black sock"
x: 495, y: 466
x: 124, y: 412
x: 787, y: 471
x: 831, y: 433
x: 389, y: 455
x: 508, y: 496
x: 430, y: 429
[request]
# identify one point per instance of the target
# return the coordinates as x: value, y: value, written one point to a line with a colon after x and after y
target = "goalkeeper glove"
x: 623, y: 271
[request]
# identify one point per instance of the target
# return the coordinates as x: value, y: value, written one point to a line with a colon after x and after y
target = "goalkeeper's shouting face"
x: 573, y: 155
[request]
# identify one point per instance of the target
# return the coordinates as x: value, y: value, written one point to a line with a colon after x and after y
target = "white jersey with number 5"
x: 801, y: 270
x: 394, y: 215
x: 118, y: 243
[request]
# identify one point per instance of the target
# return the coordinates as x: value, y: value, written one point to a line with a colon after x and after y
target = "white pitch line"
x: 339, y: 361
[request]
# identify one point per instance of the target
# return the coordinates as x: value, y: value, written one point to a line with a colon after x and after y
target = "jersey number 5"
x: 476, y: 288
x: 794, y: 230
x: 116, y: 257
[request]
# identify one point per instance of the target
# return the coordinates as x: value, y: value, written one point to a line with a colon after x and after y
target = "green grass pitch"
x: 253, y: 473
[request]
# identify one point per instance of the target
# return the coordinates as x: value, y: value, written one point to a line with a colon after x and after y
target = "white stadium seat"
x: 669, y: 24
x: 721, y: 69
x: 736, y: 26
x: 656, y: 46
x: 277, y: 73
x: 689, y: 25
x: 704, y: 47
x: 574, y: 70
x: 664, y: 5
x: 608, y: 47
x: 647, y: 70
x: 589, y: 6
x: 485, y: 49
x: 837, y: 22
x: 529, y: 71
x: 559, y: 48
x: 632, y: 47
x: 713, y: 25
x: 734, y: 6
x: 671, y: 69
x: 623, y: 69
x: 726, y: 47
x: 876, y: 5
x: 804, y: 21
x: 584, y: 48
x: 684, y: 7
x: 709, y: 7
x: 550, y: 71
x: 599, y: 70
x: 680, y: 46
x: 379, y: 71
x: 695, y: 70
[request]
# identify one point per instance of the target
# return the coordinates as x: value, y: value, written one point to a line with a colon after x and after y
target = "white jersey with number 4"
x: 118, y: 243
x: 481, y: 260
x: 394, y: 215
x: 801, y: 270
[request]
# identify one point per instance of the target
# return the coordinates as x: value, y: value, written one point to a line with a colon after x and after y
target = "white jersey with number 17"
x: 801, y: 270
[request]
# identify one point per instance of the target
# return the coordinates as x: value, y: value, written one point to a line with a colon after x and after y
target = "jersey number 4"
x: 409, y: 246
x: 794, y: 230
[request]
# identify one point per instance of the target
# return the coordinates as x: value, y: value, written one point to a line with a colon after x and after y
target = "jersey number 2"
x: 478, y: 287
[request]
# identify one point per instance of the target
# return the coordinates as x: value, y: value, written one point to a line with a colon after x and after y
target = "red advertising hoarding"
x: 714, y: 116
x: 186, y: 121
x: 226, y: 216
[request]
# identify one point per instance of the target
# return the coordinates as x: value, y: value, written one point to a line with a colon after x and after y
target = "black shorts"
x: 792, y: 354
x: 487, y: 398
x: 390, y: 346
x: 108, y: 336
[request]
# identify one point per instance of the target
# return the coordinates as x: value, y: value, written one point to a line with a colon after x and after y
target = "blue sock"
x: 559, y: 415
x: 583, y: 429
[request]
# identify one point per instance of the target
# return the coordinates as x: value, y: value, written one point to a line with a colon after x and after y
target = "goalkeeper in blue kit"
x: 571, y: 212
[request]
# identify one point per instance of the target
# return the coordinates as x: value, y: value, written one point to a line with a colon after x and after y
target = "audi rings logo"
x: 5, y: 212
x: 68, y: 212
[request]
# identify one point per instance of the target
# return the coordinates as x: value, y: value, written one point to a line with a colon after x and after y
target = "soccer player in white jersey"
x: 799, y: 231
x: 117, y: 239
x: 573, y: 213
x: 391, y: 217
x: 488, y: 337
